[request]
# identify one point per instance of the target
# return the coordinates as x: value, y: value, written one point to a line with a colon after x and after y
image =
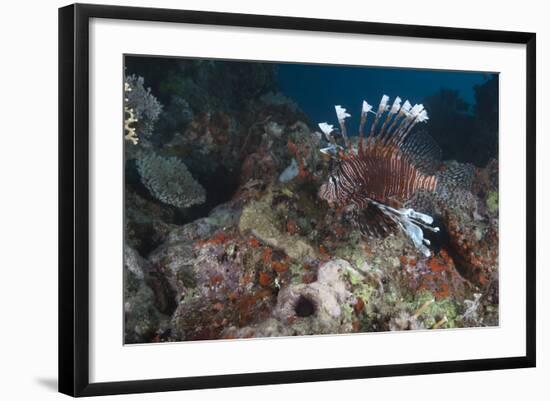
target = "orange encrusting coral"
x: 264, y: 279
x: 279, y: 267
x: 356, y: 325
x: 359, y: 305
x: 216, y: 279
x: 246, y: 306
x: 219, y: 238
x: 436, y: 266
x: 325, y: 255
x: 291, y: 227
x: 441, y: 277
x: 254, y: 243
x: 442, y: 291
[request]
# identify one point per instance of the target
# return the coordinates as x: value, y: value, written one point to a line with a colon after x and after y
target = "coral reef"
x: 226, y: 236
x: 142, y: 109
x: 169, y: 180
x: 247, y: 271
x: 130, y: 119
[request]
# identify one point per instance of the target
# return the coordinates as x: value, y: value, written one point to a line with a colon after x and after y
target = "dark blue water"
x: 317, y: 88
x: 462, y: 106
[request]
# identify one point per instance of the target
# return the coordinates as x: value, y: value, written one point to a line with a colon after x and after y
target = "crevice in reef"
x: 220, y: 187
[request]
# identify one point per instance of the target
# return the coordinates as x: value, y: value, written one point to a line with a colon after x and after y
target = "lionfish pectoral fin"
x: 412, y: 223
x: 415, y: 233
x: 373, y: 222
x: 331, y: 150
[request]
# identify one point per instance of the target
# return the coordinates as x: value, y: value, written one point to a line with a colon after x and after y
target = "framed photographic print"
x: 295, y: 199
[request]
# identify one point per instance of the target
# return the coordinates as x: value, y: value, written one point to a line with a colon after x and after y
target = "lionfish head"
x: 329, y: 191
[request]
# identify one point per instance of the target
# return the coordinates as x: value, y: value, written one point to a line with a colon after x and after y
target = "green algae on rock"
x: 259, y: 218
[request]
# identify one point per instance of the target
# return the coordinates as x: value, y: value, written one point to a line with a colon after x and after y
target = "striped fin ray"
x: 400, y: 119
x: 378, y: 221
x: 415, y: 115
x: 372, y: 222
x: 382, y: 108
x: 396, y: 135
x: 423, y: 151
x: 393, y: 115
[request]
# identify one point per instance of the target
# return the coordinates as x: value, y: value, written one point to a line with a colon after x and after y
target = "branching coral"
x: 129, y: 119
x: 141, y: 109
x: 169, y: 180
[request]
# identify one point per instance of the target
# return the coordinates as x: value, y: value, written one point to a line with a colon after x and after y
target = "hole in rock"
x: 304, y: 307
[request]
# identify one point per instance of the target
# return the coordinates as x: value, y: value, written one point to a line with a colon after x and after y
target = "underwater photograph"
x: 269, y: 199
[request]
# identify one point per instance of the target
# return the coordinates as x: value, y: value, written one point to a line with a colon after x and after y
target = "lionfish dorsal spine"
x: 382, y: 108
x: 416, y: 115
x: 365, y: 110
x: 392, y: 113
x: 400, y: 118
x: 342, y: 114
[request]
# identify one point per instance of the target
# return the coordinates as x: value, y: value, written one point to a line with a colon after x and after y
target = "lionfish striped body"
x: 385, y: 171
x: 379, y: 173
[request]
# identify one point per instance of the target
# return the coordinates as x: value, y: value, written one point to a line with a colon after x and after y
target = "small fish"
x: 376, y: 180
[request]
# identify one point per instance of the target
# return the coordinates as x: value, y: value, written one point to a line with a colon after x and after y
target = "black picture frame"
x: 74, y: 198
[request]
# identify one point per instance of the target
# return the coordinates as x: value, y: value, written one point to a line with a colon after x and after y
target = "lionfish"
x: 378, y: 178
